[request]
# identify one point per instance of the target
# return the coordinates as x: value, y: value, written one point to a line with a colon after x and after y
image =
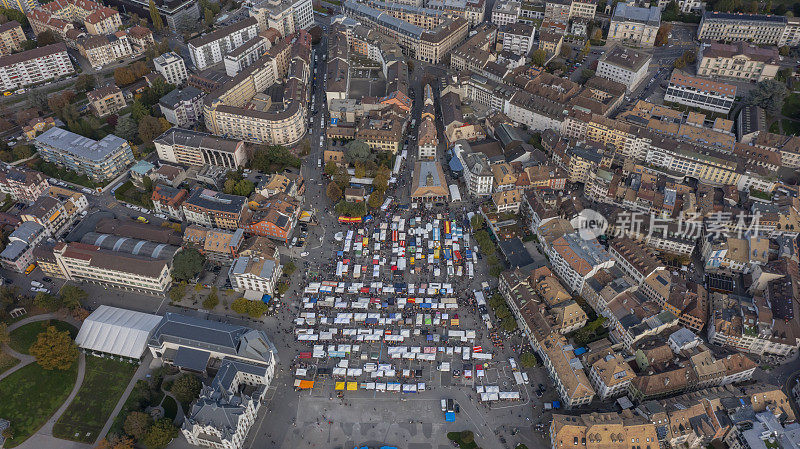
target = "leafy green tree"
x: 527, y: 360
x: 54, y: 349
x: 244, y: 187
x: 187, y: 264
x: 254, y: 309
x: 331, y: 168
x: 539, y: 57
x: 358, y: 151
x: 477, y: 222
x: 342, y: 179
x: 502, y: 311
x: 47, y: 301
x: 178, y: 291
x: 71, y: 296
x: 126, y: 128
x: 162, y: 431
x: 149, y: 129
x: 768, y: 94
x: 289, y: 268
x: 784, y: 51
x: 333, y: 191
x: 509, y: 324
x: 85, y: 82
x: 212, y: 300
x: 158, y: 24
x: 186, y: 388
x: 47, y: 37
x: 273, y: 158
x: 124, y: 76
x: 375, y: 199
x: 137, y: 424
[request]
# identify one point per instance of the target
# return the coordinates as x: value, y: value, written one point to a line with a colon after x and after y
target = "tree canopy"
x: 768, y: 94
x: 187, y: 264
x: 160, y: 433
x: 54, y: 349
x: 186, y: 388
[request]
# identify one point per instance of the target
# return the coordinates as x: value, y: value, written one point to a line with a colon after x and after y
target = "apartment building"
x: 106, y: 100
x: 735, y: 322
x: 275, y: 219
x: 516, y: 38
x: 700, y: 93
x: 254, y: 276
x: 183, y: 107
x: 473, y: 11
x: 287, y: 16
x: 625, y: 66
x: 634, y: 259
x: 603, y: 430
x: 634, y: 25
x: 427, y: 139
x: 741, y: 61
x: 90, y: 263
x: 168, y: 201
x: 104, y: 49
x: 18, y: 253
x: 583, y: 9
x: 11, y: 37
x: 247, y: 54
x: 172, y: 67
x: 55, y: 211
x: 575, y: 260
x: 506, y: 12
x: 566, y: 371
x: 758, y: 29
x: 218, y: 245
x: 35, y: 66
x: 101, y: 159
x: 214, y: 209
x: 25, y: 6
x: 59, y: 15
x: 184, y: 146
x: 426, y: 18
x: 610, y: 375
x: 477, y: 171
x: 211, y: 48
x: 239, y: 110
x: 22, y: 184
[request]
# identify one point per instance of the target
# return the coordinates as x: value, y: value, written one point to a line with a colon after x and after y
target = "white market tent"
x: 116, y: 331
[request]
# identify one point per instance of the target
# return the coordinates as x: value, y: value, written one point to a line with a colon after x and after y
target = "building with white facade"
x: 286, y: 16
x: 254, y: 276
x: 211, y: 48
x: 98, y: 159
x: 34, y: 66
x: 700, y: 93
x: 172, y: 67
x: 18, y: 253
x: 183, y: 107
x: 506, y: 12
x: 610, y: 376
x: 742, y: 61
x: 516, y: 38
x: 625, y: 66
x: 634, y: 25
x: 477, y: 172
x: 575, y: 260
x: 758, y: 29
x: 189, y: 147
x: 246, y: 54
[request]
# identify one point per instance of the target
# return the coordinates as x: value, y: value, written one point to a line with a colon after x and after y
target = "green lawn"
x: 7, y: 362
x: 31, y: 395
x: 24, y: 336
x: 103, y: 384
x: 790, y: 127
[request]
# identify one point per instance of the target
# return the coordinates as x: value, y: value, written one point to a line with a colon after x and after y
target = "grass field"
x: 31, y: 395
x: 103, y: 384
x: 7, y: 362
x: 23, y: 337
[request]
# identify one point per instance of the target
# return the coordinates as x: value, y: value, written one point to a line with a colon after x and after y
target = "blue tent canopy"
x: 265, y: 299
x: 450, y: 417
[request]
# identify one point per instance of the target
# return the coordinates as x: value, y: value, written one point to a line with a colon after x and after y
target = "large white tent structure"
x: 115, y: 331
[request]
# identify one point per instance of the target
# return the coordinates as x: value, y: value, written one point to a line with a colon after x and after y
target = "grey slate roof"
x: 79, y: 146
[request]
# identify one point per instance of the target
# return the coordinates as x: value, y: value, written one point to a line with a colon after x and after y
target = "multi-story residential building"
x: 218, y: 245
x: 516, y: 38
x: 189, y: 147
x: 286, y: 16
x: 427, y: 139
x: 178, y: 15
x: 25, y: 6
x: 506, y: 12
x: 566, y: 370
x: 575, y: 260
x: 211, y: 48
x: 686, y: 6
x: 90, y: 263
x: 557, y: 10
x: 101, y: 50
x: 34, y: 66
x: 430, y: 46
x: 239, y: 109
x: 610, y: 375
x: 582, y: 9
x: 473, y: 11
x: 254, y: 276
x: 634, y: 25
x: 246, y: 54
x: 23, y: 184
x: 183, y: 107
x: 700, y: 93
x: 18, y: 253
x: 168, y: 201
x: 276, y: 219
x: 755, y: 28
x: 172, y: 67
x: 11, y: 37
x: 741, y: 60
x: 477, y: 173
x: 625, y: 66
x: 57, y: 210
x: 634, y: 259
x: 101, y: 159
x: 607, y: 430
x: 106, y: 100
x: 214, y: 209
x: 58, y: 16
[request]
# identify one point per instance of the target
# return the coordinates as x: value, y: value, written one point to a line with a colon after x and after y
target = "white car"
x: 304, y: 254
